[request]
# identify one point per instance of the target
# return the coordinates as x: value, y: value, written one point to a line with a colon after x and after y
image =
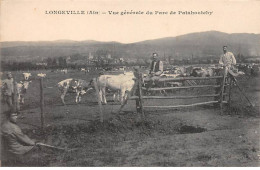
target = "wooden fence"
x: 219, y: 94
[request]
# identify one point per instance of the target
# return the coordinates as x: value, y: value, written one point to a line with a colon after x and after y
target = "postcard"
x: 148, y: 83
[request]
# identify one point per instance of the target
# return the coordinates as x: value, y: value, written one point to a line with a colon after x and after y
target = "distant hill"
x: 202, y: 44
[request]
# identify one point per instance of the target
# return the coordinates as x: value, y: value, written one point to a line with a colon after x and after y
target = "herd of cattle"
x: 120, y: 84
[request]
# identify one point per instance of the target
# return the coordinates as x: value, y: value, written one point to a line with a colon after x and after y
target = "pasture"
x: 195, y: 136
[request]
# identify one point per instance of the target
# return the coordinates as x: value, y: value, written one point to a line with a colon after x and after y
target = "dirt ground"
x: 197, y: 136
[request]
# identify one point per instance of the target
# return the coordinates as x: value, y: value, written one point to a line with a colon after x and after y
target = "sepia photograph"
x: 147, y: 83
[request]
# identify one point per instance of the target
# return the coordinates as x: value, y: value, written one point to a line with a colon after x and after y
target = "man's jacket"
x: 8, y: 87
x: 156, y: 66
x: 15, y: 141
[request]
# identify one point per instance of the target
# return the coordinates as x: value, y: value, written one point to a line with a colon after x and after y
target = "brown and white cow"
x: 64, y: 71
x: 78, y: 86
x: 22, y: 88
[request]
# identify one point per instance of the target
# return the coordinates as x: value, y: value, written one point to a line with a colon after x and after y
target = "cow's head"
x: 90, y: 86
x: 26, y: 75
x: 91, y: 83
x: 82, y: 92
x: 195, y: 72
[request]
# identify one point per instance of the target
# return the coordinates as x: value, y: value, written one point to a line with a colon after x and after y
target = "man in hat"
x: 16, y: 143
x: 8, y: 90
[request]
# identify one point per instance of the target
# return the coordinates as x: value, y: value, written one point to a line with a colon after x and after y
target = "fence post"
x: 229, y: 91
x: 42, y: 102
x: 15, y: 101
x: 135, y: 90
x: 222, y: 90
x: 99, y: 100
x: 140, y: 95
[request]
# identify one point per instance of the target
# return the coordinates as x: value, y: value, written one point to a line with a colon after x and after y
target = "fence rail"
x: 182, y: 87
x: 186, y: 78
x: 187, y: 105
x: 175, y: 97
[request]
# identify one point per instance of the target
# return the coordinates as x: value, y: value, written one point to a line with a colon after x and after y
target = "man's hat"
x: 9, y: 74
x: 155, y: 54
x: 11, y: 113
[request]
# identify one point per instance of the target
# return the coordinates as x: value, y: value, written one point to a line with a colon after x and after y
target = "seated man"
x: 16, y: 143
x: 156, y: 67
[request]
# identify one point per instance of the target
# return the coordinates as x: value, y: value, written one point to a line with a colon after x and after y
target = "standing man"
x: 8, y: 90
x: 227, y: 59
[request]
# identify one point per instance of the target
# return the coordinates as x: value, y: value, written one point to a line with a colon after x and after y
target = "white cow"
x: 26, y: 76
x: 22, y: 88
x: 84, y: 70
x: 78, y: 86
x: 122, y: 83
x: 64, y: 71
x: 41, y: 75
x: 203, y: 72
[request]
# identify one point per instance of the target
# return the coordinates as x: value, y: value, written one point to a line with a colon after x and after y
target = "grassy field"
x: 197, y: 136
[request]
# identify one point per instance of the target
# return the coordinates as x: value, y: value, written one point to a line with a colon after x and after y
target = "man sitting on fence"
x: 156, y: 69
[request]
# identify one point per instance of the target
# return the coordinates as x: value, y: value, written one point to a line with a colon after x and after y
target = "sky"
x: 26, y: 20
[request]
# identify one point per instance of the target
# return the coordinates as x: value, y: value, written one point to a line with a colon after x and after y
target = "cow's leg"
x: 122, y: 96
x: 19, y: 98
x: 100, y: 95
x: 77, y: 97
x: 63, y: 96
x: 127, y: 93
x: 22, y: 99
x: 114, y: 96
x: 118, y: 96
